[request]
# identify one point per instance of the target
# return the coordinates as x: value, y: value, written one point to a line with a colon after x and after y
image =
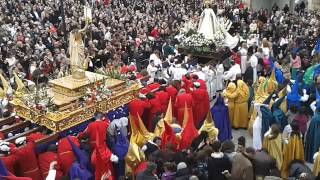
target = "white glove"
x: 313, y: 106
x: 288, y: 89
x: 304, y: 98
x: 144, y: 148
x: 4, y: 143
x: 20, y: 140
x: 114, y: 158
x: 268, y: 132
x: 4, y: 148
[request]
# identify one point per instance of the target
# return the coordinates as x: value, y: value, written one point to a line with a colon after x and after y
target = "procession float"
x: 209, y: 41
x: 71, y: 100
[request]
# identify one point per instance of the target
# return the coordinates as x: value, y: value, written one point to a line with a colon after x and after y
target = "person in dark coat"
x: 263, y: 163
x: 149, y: 173
x: 183, y: 173
x: 218, y: 163
x: 151, y: 146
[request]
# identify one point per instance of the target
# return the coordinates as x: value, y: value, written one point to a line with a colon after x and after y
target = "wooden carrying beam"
x: 7, y: 120
x: 15, y: 126
x: 12, y: 139
x: 50, y: 138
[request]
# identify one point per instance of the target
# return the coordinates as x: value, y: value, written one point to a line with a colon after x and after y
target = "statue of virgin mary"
x: 208, y: 22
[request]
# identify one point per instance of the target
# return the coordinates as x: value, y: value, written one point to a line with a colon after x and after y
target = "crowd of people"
x: 269, y: 85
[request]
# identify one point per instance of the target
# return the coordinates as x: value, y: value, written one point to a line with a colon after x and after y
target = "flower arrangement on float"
x: 97, y: 93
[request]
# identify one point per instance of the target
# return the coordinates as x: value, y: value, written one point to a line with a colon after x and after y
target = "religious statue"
x: 208, y: 22
x: 78, y: 60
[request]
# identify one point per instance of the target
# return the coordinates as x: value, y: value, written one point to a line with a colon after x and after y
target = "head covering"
x: 181, y: 165
x: 20, y: 86
x: 209, y: 127
x: 242, y: 88
x: 5, y: 84
x: 189, y: 131
x: 122, y: 145
x: 230, y: 90
x: 81, y: 156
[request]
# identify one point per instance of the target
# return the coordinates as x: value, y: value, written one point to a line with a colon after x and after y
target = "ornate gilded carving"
x: 62, y: 120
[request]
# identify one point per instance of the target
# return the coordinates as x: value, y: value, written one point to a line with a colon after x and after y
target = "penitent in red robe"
x: 65, y: 154
x: 155, y: 107
x: 44, y: 160
x: 98, y: 126
x: 172, y: 92
x: 138, y: 107
x: 201, y: 105
x: 181, y: 101
x: 27, y: 162
x: 163, y: 97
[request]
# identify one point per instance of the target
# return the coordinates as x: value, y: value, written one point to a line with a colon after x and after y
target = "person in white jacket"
x: 231, y: 75
x: 254, y: 63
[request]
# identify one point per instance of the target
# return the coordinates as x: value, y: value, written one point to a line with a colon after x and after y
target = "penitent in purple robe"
x: 221, y: 120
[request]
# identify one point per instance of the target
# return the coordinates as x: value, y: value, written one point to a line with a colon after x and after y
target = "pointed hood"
x: 122, y: 145
x: 81, y: 157
x: 272, y: 84
x: 261, y: 93
x: 159, y: 128
x: 143, y: 130
x: 168, y: 116
x: 20, y: 86
x: 189, y: 131
x: 185, y: 115
x: 136, y: 136
x: 168, y: 136
x: 5, y: 84
x: 209, y: 127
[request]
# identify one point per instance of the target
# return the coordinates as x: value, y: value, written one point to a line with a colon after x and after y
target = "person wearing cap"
x: 149, y: 173
x: 183, y: 173
x: 201, y: 103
